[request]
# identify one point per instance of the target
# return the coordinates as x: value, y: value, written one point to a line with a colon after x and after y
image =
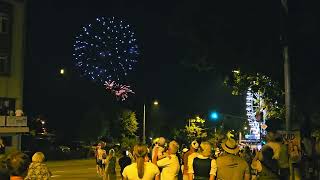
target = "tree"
x: 195, y: 129
x: 268, y: 89
x: 217, y: 137
x: 180, y: 135
x: 128, y: 123
x: 93, y: 124
x: 128, y: 143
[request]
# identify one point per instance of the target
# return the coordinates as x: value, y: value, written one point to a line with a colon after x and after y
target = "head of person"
x: 273, y: 125
x: 161, y: 141
x: 99, y: 146
x: 140, y: 153
x: 124, y: 153
x: 38, y: 157
x: 173, y: 147
x: 266, y: 156
x: 194, y: 145
x: 205, y: 149
x: 18, y: 163
x: 4, y: 174
x: 112, y: 152
x: 230, y: 146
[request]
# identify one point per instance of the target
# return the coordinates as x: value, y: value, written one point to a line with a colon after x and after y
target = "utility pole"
x: 287, y: 75
x: 144, y: 124
x: 287, y: 83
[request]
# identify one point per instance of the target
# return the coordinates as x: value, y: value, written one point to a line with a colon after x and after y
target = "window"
x: 4, y: 64
x: 7, y: 140
x: 4, y: 23
x: 5, y: 37
x: 7, y: 105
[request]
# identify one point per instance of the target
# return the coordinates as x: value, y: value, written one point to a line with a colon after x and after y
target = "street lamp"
x: 62, y: 71
x: 155, y: 103
x: 236, y: 71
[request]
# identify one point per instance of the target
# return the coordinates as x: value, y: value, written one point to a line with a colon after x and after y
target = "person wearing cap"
x: 193, y: 149
x: 170, y: 164
x: 229, y: 165
x: 202, y: 166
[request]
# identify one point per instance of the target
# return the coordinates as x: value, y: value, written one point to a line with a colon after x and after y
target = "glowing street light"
x: 155, y: 103
x: 236, y: 71
x: 62, y: 71
x: 214, y: 116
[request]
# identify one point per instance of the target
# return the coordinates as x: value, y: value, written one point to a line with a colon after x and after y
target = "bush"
x: 127, y: 143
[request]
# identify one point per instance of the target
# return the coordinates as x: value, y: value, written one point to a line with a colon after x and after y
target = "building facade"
x: 12, y: 53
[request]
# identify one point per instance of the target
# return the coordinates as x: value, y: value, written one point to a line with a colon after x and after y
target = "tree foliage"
x: 129, y: 142
x: 217, y: 137
x: 93, y: 124
x: 180, y: 135
x: 270, y: 90
x: 128, y: 123
x: 195, y: 129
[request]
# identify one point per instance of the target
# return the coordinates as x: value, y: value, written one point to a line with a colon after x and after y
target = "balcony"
x: 13, y: 124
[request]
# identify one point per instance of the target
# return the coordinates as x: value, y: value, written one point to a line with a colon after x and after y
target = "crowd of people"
x: 106, y: 163
x: 165, y: 160
x: 202, y: 160
x: 17, y: 166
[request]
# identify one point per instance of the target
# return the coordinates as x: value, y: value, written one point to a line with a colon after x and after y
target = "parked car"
x: 46, y: 144
x: 79, y: 149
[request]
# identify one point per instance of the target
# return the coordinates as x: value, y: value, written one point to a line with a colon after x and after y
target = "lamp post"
x: 155, y: 103
x: 62, y: 71
x: 144, y: 124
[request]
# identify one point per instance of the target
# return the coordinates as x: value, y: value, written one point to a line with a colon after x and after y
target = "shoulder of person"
x: 129, y: 166
x: 150, y: 164
x: 213, y: 160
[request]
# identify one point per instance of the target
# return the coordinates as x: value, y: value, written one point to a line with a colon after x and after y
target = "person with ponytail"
x: 141, y: 169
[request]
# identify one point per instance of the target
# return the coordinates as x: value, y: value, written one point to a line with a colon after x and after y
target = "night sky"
x: 172, y: 36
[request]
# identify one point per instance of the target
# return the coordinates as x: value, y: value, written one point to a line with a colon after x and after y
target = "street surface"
x: 76, y: 170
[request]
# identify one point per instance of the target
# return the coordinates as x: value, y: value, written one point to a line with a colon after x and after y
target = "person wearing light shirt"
x: 170, y: 164
x: 200, y: 165
x: 141, y: 169
x: 193, y: 149
x: 158, y: 150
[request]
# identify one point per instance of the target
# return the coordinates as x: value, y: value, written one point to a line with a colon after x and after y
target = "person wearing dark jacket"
x: 124, y: 161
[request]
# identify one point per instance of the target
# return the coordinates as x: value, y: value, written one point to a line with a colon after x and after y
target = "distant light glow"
x: 253, y: 105
x: 214, y: 116
x: 61, y: 71
x: 236, y: 71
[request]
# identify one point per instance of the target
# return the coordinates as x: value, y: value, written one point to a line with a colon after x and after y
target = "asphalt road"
x: 75, y: 170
